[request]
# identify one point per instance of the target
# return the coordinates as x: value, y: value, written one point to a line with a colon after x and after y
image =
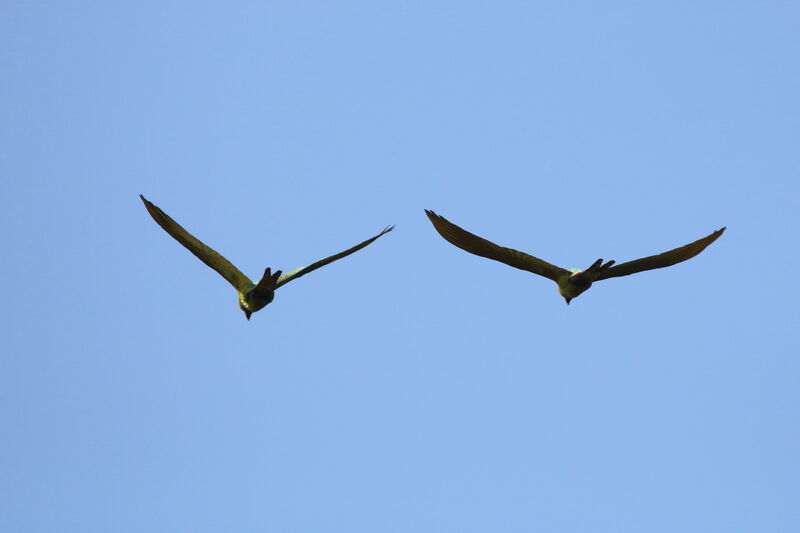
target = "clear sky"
x: 411, y: 386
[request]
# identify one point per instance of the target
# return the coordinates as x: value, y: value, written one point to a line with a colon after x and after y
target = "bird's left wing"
x: 302, y: 271
x: 200, y: 250
x: 661, y: 260
x: 479, y: 246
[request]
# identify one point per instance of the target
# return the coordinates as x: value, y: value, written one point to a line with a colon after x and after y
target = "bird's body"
x: 571, y: 283
x: 252, y: 300
x: 252, y: 296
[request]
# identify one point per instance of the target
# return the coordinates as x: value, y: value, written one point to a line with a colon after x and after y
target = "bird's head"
x: 244, y: 306
x: 569, y: 288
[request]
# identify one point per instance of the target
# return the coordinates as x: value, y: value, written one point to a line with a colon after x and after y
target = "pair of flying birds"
x: 571, y: 283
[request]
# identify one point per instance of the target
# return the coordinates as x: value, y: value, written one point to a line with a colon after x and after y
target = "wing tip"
x: 432, y: 214
x: 436, y: 219
x: 150, y: 206
x: 717, y: 234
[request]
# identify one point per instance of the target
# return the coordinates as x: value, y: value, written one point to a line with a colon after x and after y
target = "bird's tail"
x: 269, y: 281
x: 595, y: 270
x: 600, y: 268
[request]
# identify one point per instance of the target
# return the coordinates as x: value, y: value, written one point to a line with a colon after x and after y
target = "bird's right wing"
x: 661, y: 260
x: 479, y: 246
x: 200, y: 250
x: 302, y: 271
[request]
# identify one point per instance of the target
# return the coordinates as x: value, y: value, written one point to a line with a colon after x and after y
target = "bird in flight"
x: 571, y: 283
x: 252, y: 296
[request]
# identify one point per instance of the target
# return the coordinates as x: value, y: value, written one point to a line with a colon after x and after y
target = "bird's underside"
x: 571, y: 283
x: 252, y: 296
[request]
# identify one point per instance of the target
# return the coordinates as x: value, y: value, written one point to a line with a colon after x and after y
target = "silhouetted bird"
x: 252, y: 296
x: 571, y: 283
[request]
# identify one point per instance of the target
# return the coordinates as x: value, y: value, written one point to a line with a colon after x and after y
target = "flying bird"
x: 571, y: 283
x: 252, y: 296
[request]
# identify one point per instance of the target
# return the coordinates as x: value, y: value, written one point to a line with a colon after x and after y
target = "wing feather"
x: 661, y: 260
x: 479, y: 246
x: 302, y: 271
x: 200, y: 250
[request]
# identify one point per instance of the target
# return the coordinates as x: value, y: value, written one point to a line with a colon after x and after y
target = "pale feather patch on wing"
x: 290, y: 274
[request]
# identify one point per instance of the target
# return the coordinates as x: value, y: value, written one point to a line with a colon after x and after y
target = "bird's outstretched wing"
x: 479, y: 246
x: 661, y: 260
x: 302, y: 271
x: 200, y: 250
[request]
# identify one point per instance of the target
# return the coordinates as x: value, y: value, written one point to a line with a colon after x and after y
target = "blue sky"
x: 411, y: 386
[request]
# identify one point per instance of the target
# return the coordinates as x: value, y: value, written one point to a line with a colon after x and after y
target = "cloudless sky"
x: 411, y: 386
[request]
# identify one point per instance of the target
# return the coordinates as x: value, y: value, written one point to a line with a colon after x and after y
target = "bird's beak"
x: 568, y: 300
x: 247, y: 314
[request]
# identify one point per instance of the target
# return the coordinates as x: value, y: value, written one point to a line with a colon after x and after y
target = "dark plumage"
x: 571, y: 283
x: 252, y: 297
